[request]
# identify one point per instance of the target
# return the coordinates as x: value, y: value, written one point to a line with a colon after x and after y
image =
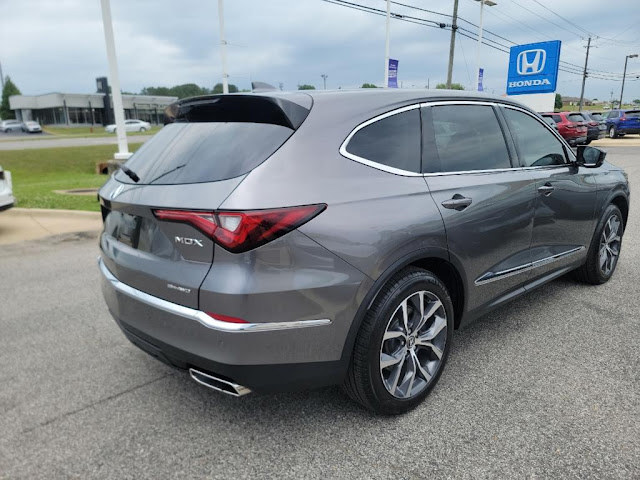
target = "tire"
x: 587, y: 142
x: 593, y: 271
x: 415, y: 361
x: 612, y: 132
x: 142, y: 129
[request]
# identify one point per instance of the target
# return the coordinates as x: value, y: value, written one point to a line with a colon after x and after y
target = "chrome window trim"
x: 436, y: 103
x: 494, y: 276
x: 370, y: 163
x: 199, y: 316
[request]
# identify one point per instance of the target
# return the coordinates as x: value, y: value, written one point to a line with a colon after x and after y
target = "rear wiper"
x: 130, y: 173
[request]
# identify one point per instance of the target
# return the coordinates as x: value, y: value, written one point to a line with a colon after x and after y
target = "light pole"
x: 488, y: 3
x: 123, y: 148
x: 386, y: 48
x: 223, y: 48
x: 626, y: 59
x: 324, y: 79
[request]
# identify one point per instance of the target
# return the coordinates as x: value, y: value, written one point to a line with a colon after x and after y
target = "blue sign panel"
x: 393, y: 73
x: 533, y: 68
x: 480, y: 78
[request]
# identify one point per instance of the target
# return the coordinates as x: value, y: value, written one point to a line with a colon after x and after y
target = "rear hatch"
x: 192, y: 165
x: 630, y: 119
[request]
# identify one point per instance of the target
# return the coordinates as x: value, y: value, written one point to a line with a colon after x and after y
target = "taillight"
x: 571, y: 125
x: 239, y: 231
x: 623, y: 117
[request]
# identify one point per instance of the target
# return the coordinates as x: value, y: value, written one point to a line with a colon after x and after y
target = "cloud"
x: 59, y: 46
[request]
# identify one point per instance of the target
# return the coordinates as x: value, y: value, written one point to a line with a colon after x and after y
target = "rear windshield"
x: 576, y: 117
x: 596, y: 116
x: 633, y: 114
x: 204, y: 152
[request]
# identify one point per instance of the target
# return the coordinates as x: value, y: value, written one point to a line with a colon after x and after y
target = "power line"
x: 566, y: 67
x: 565, y: 19
x: 546, y: 19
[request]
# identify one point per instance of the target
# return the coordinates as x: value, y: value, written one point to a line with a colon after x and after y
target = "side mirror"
x: 590, y: 157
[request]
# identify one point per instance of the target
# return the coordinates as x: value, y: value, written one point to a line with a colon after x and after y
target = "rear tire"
x: 399, y: 353
x: 612, y: 132
x: 604, y: 250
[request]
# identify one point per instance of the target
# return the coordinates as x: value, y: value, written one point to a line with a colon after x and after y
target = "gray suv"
x: 295, y: 240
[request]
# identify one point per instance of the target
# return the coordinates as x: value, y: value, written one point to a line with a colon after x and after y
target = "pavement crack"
x: 92, y: 404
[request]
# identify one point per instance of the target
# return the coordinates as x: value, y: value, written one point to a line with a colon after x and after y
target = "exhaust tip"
x: 218, y: 384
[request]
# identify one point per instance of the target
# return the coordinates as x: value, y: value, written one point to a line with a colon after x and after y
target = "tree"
x: 181, y: 91
x: 217, y: 88
x: 558, y: 102
x: 306, y: 87
x: 454, y: 86
x: 8, y: 90
x: 368, y: 85
x: 636, y: 101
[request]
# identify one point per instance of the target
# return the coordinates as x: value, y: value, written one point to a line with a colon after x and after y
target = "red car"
x: 571, y: 125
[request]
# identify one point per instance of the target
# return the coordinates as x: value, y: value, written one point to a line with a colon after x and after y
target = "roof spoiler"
x: 262, y: 87
x: 238, y: 108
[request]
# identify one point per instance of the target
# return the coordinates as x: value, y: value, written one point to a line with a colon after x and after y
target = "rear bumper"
x: 264, y: 357
x: 576, y: 140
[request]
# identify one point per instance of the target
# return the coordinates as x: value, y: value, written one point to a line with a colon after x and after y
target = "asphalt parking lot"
x: 546, y: 387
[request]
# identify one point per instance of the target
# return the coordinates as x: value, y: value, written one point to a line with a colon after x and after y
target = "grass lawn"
x: 37, y: 173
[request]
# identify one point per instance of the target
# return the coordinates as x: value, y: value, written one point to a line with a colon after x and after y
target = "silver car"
x: 10, y: 126
x: 278, y: 241
x: 6, y: 190
x: 130, y: 126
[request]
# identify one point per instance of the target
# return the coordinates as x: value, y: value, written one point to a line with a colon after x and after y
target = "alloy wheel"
x: 610, y: 245
x: 413, y: 344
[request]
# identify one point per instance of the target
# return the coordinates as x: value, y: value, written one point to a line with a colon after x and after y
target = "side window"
x: 537, y: 146
x: 613, y: 115
x: 557, y: 118
x: 393, y: 141
x: 462, y: 138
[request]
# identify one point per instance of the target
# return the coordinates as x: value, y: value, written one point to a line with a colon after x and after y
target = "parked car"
x: 621, y: 122
x: 571, y: 126
x: 593, y: 127
x: 130, y: 126
x: 296, y: 240
x: 10, y: 125
x: 600, y: 117
x: 31, y: 127
x: 6, y: 190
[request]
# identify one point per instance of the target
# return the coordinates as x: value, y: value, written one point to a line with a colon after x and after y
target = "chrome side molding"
x: 199, y: 316
x: 493, y: 276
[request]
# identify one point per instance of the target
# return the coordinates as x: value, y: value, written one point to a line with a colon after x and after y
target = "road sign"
x: 533, y: 68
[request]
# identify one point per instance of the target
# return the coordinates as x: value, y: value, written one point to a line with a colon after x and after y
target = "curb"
x: 52, y: 212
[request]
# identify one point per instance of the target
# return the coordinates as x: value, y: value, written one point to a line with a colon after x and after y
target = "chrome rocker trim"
x: 200, y: 316
x: 493, y: 276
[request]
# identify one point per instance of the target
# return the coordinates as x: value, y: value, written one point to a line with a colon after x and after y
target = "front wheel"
x: 403, y: 343
x: 604, y: 251
x: 142, y: 129
x: 612, y: 132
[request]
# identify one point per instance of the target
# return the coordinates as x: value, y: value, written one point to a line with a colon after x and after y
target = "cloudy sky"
x: 59, y: 45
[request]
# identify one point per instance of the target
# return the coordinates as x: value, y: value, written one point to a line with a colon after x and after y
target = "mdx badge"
x: 189, y: 241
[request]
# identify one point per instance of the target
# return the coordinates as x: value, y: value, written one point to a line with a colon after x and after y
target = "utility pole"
x: 324, y: 79
x: 1, y: 76
x: 584, y: 74
x: 123, y: 148
x: 223, y: 48
x: 452, y: 44
x: 386, y: 48
x: 635, y: 55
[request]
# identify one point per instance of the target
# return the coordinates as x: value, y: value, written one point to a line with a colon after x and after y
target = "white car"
x: 6, y: 190
x: 130, y: 126
x: 31, y: 127
x: 10, y: 125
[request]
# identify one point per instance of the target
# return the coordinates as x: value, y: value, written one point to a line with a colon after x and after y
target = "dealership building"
x: 77, y: 109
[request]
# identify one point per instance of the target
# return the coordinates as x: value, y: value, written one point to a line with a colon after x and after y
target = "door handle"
x: 458, y: 202
x: 546, y: 189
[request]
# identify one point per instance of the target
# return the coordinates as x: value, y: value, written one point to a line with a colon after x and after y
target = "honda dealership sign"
x: 533, y: 68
